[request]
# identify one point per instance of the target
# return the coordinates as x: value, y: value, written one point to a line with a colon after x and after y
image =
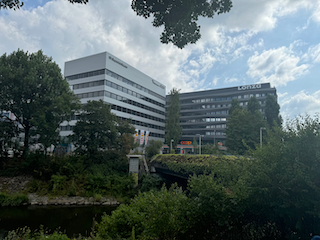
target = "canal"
x: 72, y: 220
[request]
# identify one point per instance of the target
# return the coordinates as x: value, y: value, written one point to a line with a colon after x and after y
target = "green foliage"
x: 211, y: 149
x: 153, y: 148
x: 150, y: 182
x: 285, y: 179
x: 187, y: 165
x: 16, y: 199
x: 253, y: 105
x: 234, y: 105
x: 34, y: 90
x: 179, y: 17
x: 26, y: 234
x: 152, y: 215
x: 99, y: 130
x: 243, y: 130
x: 8, y: 132
x: 173, y: 127
x: 272, y: 110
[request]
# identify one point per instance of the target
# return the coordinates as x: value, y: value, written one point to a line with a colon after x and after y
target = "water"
x: 72, y: 220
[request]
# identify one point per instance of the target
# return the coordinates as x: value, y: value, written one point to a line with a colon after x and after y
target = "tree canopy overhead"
x: 34, y: 90
x: 179, y: 17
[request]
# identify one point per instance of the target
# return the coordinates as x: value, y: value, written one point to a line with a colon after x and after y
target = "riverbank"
x: 17, y: 184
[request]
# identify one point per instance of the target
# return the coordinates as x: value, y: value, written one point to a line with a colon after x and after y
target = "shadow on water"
x: 72, y: 220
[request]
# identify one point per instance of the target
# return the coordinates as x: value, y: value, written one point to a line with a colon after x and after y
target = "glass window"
x: 224, y: 119
x: 218, y: 99
x: 124, y: 90
x: 258, y: 95
x: 134, y: 94
x: 263, y: 94
x: 119, y: 98
x: 108, y: 83
x: 246, y: 96
x: 107, y: 94
x: 119, y: 88
x: 113, y: 85
x: 218, y: 119
x: 90, y: 94
x: 207, y: 99
x: 129, y: 92
x: 239, y: 97
x: 84, y: 95
x: 203, y: 100
x: 113, y: 96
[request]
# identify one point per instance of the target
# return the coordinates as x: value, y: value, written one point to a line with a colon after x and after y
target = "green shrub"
x: 150, y: 182
x: 59, y: 184
x: 152, y: 215
x: 16, y: 199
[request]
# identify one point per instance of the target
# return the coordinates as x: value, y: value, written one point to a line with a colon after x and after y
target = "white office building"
x: 130, y: 93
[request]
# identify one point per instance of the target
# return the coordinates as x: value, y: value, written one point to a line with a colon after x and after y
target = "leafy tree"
x: 285, y: 178
x: 173, y: 127
x: 179, y: 18
x: 234, y: 105
x: 253, y: 105
x: 243, y: 130
x: 8, y: 131
x: 34, y: 90
x: 99, y: 130
x: 272, y: 111
x: 153, y: 148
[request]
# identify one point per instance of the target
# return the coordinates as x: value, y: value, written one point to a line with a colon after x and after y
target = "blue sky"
x: 257, y: 41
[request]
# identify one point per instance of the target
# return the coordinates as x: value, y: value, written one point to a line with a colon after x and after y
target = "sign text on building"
x: 248, y: 87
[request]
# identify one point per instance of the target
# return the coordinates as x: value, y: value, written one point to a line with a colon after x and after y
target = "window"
x: 258, y: 95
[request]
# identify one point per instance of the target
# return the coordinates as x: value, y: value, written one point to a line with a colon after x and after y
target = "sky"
x: 275, y: 41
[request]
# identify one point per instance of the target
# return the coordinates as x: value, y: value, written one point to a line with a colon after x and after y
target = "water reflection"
x: 72, y: 220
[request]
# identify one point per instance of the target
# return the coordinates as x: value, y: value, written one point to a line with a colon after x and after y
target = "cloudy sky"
x: 276, y: 41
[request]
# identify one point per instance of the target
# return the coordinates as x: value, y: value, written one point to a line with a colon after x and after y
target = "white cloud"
x: 215, y: 81
x: 314, y: 53
x: 277, y: 66
x: 301, y: 103
x: 231, y: 80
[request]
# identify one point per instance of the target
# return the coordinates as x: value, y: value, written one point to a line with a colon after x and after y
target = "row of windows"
x: 66, y: 128
x: 202, y: 100
x: 133, y: 93
x: 207, y: 133
x: 119, y: 98
x: 206, y: 113
x: 118, y: 87
x: 116, y: 76
x: 212, y: 119
x: 213, y: 106
x: 131, y: 102
x: 144, y: 124
x: 140, y: 114
x: 205, y: 126
x: 215, y: 133
x: 88, y: 84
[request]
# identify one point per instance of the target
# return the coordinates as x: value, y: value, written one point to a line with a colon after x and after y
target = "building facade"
x: 206, y: 113
x: 130, y: 93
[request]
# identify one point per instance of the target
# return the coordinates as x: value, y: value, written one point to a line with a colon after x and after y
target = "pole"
x: 261, y: 128
x: 199, y: 144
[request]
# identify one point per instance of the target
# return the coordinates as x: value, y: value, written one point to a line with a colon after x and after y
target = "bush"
x: 16, y: 199
x: 152, y: 215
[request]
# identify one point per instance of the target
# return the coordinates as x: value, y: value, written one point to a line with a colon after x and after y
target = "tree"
x: 285, y: 178
x: 99, y: 130
x: 34, y: 90
x: 173, y: 127
x: 243, y: 130
x: 234, y: 105
x: 8, y: 132
x: 272, y: 111
x: 179, y: 18
x: 253, y: 105
x: 153, y: 148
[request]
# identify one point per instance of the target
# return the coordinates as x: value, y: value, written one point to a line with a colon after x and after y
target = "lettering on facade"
x: 158, y: 84
x: 249, y: 87
x: 186, y: 142
x: 116, y: 61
